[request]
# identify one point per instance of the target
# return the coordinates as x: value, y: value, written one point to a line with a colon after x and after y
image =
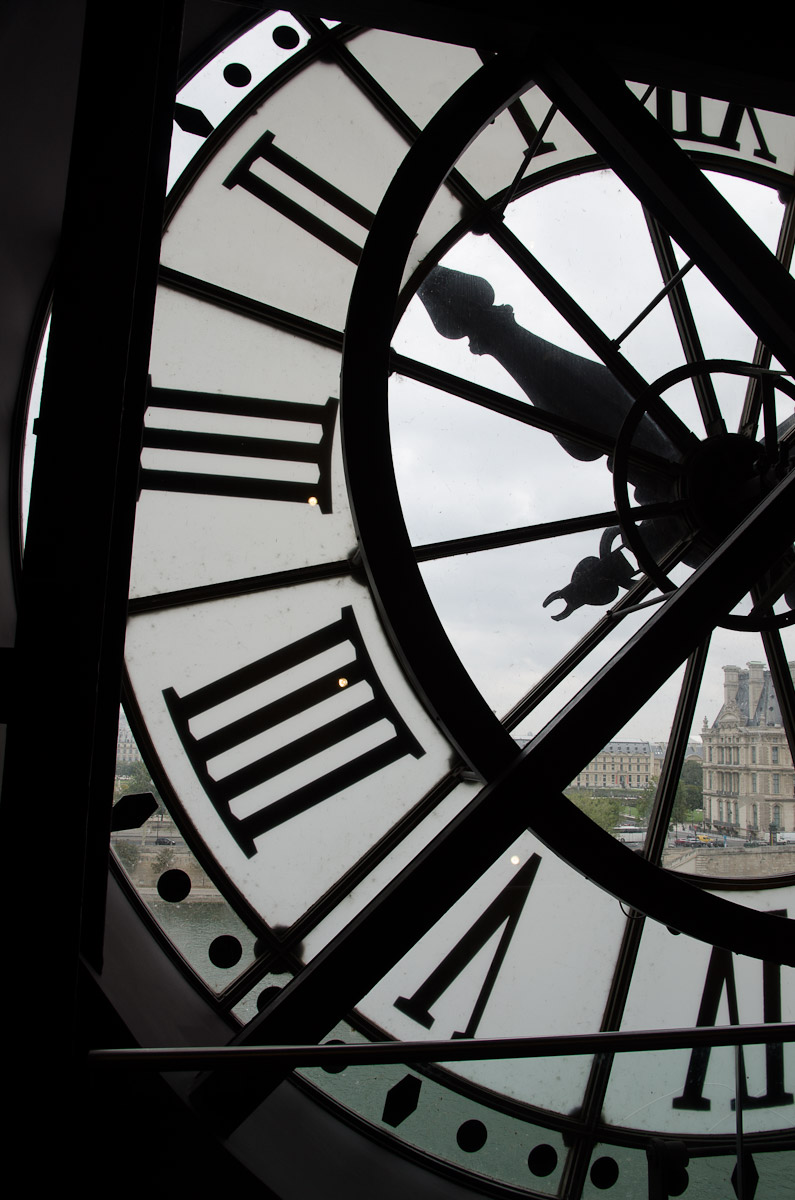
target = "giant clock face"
x: 296, y: 676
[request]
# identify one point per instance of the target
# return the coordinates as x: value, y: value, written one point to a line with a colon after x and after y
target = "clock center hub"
x: 722, y: 480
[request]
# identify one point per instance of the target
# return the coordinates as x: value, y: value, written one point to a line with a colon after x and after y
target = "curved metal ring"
x: 646, y: 561
x: 469, y: 846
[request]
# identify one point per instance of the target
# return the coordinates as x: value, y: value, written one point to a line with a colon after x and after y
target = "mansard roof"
x: 765, y: 712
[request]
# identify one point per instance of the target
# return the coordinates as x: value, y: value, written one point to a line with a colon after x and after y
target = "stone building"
x: 620, y: 765
x: 748, y: 774
x: 127, y: 751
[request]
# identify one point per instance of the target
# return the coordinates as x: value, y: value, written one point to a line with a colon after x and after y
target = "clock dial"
x: 305, y: 705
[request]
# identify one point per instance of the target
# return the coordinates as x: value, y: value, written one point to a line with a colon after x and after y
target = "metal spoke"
x: 686, y: 326
x: 630, y: 602
x: 590, y: 332
x: 538, y: 532
x: 266, y: 314
x: 659, y: 172
x: 762, y: 355
x: 515, y: 110
x: 431, y: 1050
x: 239, y: 587
x: 660, y: 817
x: 782, y: 682
x: 349, y: 64
x: 527, y: 414
x: 769, y: 417
x: 664, y: 291
x: 333, y: 41
x: 342, y: 887
x: 601, y: 1068
x: 599, y: 1076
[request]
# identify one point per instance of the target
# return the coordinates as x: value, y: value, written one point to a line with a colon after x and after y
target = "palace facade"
x: 749, y: 779
x: 621, y: 764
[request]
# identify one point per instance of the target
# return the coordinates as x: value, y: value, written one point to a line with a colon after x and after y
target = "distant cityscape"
x: 747, y: 770
x: 748, y: 777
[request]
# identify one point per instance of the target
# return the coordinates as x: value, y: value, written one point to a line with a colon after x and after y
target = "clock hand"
x: 553, y: 379
x: 579, y: 390
x: 570, y: 386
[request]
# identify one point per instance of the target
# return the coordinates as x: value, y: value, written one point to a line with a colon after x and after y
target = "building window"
x: 709, y: 754
x: 737, y: 755
x: 753, y: 754
x: 774, y: 754
x: 753, y: 787
x: 776, y: 788
x: 777, y: 815
x: 720, y: 810
x: 755, y: 817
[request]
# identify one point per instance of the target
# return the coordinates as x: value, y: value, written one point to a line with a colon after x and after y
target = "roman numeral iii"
x: 300, y: 469
x: 351, y: 677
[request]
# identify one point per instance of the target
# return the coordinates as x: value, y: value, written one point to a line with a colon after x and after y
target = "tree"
x: 689, y: 798
x: 138, y: 779
x: 164, y: 859
x: 604, y: 811
x: 128, y: 854
x: 691, y: 787
x: 645, y: 799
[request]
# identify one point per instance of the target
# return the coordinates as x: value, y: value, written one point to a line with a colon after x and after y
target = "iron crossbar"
x: 196, y: 1058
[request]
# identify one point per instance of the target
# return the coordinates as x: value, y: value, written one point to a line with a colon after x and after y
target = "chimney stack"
x: 756, y: 681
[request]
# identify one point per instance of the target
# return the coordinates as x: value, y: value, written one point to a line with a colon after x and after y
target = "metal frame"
x: 329, y: 986
x: 485, y: 743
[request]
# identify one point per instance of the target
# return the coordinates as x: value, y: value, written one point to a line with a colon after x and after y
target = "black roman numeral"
x: 313, y: 417
x: 507, y: 909
x: 720, y: 975
x: 264, y: 148
x: 694, y: 128
x: 326, y: 685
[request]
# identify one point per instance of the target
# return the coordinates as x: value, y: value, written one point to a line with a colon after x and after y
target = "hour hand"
x: 553, y: 379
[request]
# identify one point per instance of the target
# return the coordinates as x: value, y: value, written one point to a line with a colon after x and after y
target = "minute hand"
x: 553, y: 379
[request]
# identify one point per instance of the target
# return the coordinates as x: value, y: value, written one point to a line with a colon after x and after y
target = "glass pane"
x: 418, y: 73
x: 193, y: 526
x: 530, y: 928
x: 256, y: 702
x: 459, y: 1128
x: 179, y: 895
x: 232, y: 74
x: 282, y: 210
x: 679, y: 983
